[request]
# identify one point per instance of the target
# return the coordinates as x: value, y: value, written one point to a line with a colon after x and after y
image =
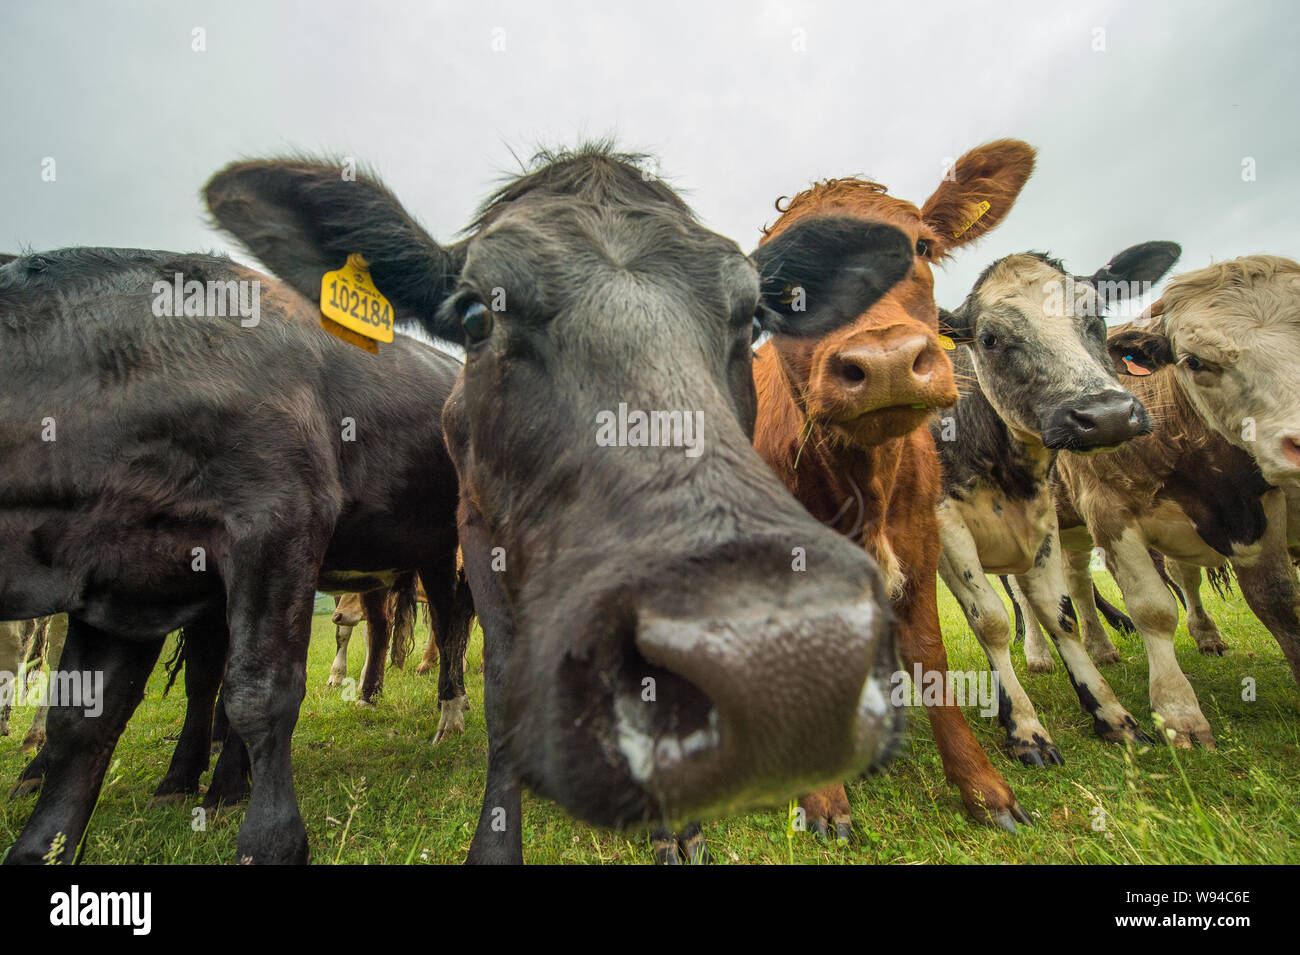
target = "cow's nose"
x: 796, y: 698
x: 907, y: 371
x: 1099, y: 421
x: 337, y: 617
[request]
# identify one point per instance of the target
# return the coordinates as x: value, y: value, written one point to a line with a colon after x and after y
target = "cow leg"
x: 430, y: 658
x: 1083, y: 594
x: 1050, y: 599
x: 669, y: 846
x: 55, y: 635
x: 959, y: 565
x: 498, y: 839
x: 828, y: 807
x: 378, y: 634
x: 339, y: 668
x: 1268, y: 582
x: 1199, y: 623
x: 229, y: 784
x: 984, y: 792
x: 1038, y: 655
x: 1115, y: 618
x: 12, y: 638
x: 1154, y: 610
x: 270, y: 593
x: 80, y: 745
x: 205, y: 665
x: 452, y: 607
x: 403, y: 629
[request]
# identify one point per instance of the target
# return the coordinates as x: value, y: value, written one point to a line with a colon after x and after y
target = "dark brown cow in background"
x: 842, y: 420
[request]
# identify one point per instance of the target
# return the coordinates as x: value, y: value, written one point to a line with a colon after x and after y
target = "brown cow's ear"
x: 304, y: 217
x: 978, y: 192
x: 1138, y: 353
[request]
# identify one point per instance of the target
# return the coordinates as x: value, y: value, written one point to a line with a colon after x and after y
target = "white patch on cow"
x: 646, y: 753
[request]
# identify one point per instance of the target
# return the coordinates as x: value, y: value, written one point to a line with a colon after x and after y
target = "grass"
x: 373, y: 790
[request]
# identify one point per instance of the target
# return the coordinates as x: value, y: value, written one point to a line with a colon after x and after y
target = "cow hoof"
x: 696, y: 849
x: 818, y: 827
x: 1213, y: 646
x: 27, y: 787
x: 1039, y: 665
x: 1120, y: 730
x: 451, y: 718
x: 1006, y: 819
x: 1103, y: 654
x: 367, y: 704
x: 423, y: 668
x: 33, y: 741
x: 1185, y: 732
x: 164, y: 800
x: 843, y: 830
x: 334, y: 680
x: 1037, y: 751
x: 667, y: 855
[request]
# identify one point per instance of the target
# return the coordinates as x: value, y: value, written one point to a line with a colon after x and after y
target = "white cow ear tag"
x: 352, y: 308
x: 1134, y: 368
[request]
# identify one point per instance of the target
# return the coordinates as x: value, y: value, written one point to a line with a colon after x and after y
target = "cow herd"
x: 673, y: 630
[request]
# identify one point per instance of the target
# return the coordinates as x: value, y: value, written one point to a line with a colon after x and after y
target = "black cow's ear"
x: 1137, y: 352
x: 1132, y: 271
x: 824, y: 271
x: 958, y: 325
x: 302, y: 218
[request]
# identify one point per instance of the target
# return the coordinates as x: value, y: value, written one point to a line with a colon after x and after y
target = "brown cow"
x: 842, y: 421
x: 350, y: 610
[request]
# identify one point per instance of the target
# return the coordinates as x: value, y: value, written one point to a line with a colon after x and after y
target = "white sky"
x: 1144, y: 140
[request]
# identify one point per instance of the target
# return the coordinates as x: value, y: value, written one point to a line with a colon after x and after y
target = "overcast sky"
x: 742, y: 102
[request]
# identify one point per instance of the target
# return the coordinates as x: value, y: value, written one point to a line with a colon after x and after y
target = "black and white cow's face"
x: 1232, y: 331
x: 1037, y: 341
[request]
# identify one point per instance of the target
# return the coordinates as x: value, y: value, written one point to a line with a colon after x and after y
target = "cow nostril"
x: 851, y: 373
x: 924, y: 363
x: 1081, y: 421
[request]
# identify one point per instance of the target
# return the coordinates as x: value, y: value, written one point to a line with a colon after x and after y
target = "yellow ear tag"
x: 353, y: 308
x: 980, y: 209
x: 946, y: 343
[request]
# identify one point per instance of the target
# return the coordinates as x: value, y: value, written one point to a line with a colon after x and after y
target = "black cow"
x: 200, y: 471
x: 655, y: 648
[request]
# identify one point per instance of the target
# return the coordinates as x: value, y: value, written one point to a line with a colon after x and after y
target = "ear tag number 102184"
x: 352, y: 308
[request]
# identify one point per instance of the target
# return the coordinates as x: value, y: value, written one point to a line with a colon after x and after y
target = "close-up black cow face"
x: 678, y: 637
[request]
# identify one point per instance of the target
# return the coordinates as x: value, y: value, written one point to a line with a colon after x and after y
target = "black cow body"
x: 197, y: 472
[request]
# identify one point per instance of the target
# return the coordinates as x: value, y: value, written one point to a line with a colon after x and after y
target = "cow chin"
x: 876, y: 427
x: 624, y: 740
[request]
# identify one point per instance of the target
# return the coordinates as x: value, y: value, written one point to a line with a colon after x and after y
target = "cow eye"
x: 923, y: 247
x: 988, y: 339
x: 477, y: 322
x: 1193, y: 363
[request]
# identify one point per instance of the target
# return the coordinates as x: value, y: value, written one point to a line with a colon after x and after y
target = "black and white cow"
x: 1037, y: 381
